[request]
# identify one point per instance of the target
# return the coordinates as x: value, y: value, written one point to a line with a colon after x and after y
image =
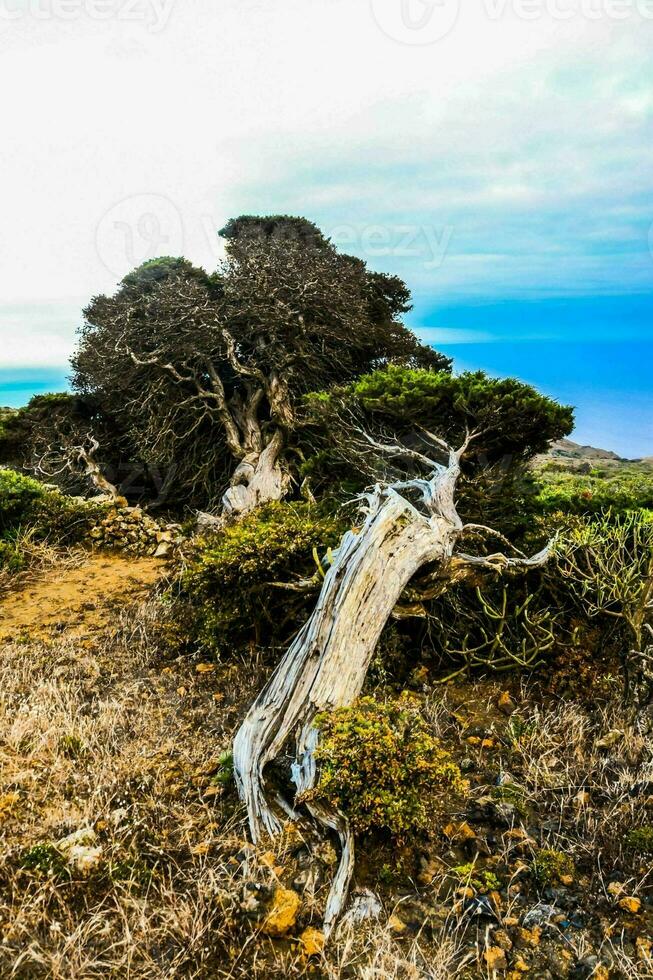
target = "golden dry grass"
x: 118, y: 736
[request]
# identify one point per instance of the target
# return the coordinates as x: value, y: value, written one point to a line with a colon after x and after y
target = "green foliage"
x: 284, y: 308
x: 619, y: 490
x: 607, y: 564
x: 549, y: 866
x: 640, y: 840
x: 400, y: 405
x: 515, y: 419
x: 480, y: 879
x: 495, y: 627
x: 12, y: 557
x: 380, y: 765
x: 230, y: 574
x: 30, y: 512
x: 20, y: 500
x: 44, y: 859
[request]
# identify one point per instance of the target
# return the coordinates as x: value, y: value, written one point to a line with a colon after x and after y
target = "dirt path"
x: 77, y: 600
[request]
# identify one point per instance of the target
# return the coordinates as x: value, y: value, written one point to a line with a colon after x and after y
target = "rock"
x: 495, y: 958
x: 255, y: 900
x: 479, y: 907
x: 502, y: 940
x: 396, y: 925
x: 312, y: 941
x: 539, y: 915
x: 283, y: 912
x: 610, y: 740
x: 364, y: 905
x: 528, y: 938
x: 459, y: 831
x: 616, y: 888
x: 78, y: 850
x: 505, y: 703
x: 630, y: 904
x: 163, y: 550
x: 208, y: 522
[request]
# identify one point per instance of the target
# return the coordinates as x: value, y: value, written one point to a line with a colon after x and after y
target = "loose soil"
x: 79, y: 600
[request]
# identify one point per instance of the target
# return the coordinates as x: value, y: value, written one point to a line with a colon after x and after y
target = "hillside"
x: 315, y: 661
x: 124, y: 849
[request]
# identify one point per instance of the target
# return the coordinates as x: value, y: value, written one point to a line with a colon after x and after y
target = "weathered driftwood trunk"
x: 93, y: 471
x: 326, y: 665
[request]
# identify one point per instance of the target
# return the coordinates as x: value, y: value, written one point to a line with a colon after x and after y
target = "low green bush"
x: 625, y: 489
x: 640, y: 840
x: 20, y: 500
x: 380, y: 765
x: 231, y: 574
x: 549, y: 866
x: 31, y: 512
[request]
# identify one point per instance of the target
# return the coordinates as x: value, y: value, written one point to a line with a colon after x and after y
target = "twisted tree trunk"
x: 326, y: 665
x: 258, y: 479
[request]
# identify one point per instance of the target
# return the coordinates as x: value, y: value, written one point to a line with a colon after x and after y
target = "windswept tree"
x: 205, y: 371
x: 428, y: 427
x: 57, y: 438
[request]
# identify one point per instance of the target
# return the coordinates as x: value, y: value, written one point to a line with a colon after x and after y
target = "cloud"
x: 510, y: 158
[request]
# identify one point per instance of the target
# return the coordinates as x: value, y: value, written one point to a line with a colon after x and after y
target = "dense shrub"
x: 380, y: 765
x: 230, y: 574
x: 640, y: 840
x: 550, y: 866
x: 29, y: 511
x: 20, y: 500
x: 625, y: 489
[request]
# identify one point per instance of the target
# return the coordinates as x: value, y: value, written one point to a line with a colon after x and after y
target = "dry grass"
x: 114, y: 738
x: 113, y: 734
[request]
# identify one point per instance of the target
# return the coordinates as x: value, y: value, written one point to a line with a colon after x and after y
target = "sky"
x: 497, y: 155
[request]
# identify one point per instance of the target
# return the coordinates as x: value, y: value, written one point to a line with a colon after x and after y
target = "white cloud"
x: 528, y: 139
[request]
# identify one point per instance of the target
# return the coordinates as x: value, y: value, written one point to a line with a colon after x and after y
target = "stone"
x: 505, y: 703
x: 610, y: 739
x: 396, y: 925
x: 79, y: 851
x: 539, y: 915
x: 616, y: 888
x: 459, y: 831
x: 528, y: 938
x: 312, y: 941
x: 502, y: 940
x: 495, y: 958
x: 630, y: 904
x: 283, y: 912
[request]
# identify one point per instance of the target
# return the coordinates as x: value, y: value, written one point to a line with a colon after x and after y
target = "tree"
x: 205, y: 371
x: 56, y: 437
x: 407, y: 524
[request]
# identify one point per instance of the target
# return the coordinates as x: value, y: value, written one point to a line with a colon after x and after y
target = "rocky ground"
x: 123, y: 848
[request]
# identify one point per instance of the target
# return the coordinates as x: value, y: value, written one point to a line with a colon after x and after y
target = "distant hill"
x: 573, y: 450
x: 569, y: 456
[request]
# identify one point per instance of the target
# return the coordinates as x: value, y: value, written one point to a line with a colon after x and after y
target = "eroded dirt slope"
x: 76, y: 600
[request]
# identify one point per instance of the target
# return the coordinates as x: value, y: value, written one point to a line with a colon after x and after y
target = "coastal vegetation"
x: 322, y: 662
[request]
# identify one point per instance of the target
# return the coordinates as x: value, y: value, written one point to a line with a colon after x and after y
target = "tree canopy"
x: 204, y: 370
